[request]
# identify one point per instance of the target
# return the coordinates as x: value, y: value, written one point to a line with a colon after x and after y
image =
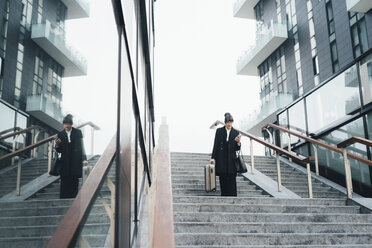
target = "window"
x: 358, y: 32
x: 334, y: 57
x: 1, y: 67
x: 267, y: 88
x: 258, y: 10
x: 280, y: 71
x: 332, y: 36
x: 61, y: 17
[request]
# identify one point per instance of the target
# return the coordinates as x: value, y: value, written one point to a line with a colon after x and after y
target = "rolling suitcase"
x: 210, y: 178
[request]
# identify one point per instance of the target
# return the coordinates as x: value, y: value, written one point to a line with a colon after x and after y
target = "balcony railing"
x: 54, y: 43
x: 362, y: 6
x: 245, y: 8
x: 268, y: 39
x: 76, y: 9
x: 267, y: 112
x: 44, y: 110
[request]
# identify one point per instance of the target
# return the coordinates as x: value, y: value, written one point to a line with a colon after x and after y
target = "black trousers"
x: 228, y: 185
x: 69, y: 187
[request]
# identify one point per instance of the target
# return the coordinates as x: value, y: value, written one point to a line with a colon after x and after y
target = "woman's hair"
x: 228, y: 117
x: 68, y: 119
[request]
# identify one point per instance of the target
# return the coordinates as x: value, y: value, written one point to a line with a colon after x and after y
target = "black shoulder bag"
x: 240, y: 165
x: 56, y: 165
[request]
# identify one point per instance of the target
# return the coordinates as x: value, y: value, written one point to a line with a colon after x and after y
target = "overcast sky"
x: 197, y: 45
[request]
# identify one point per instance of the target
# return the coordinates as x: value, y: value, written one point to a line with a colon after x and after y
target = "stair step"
x: 272, y: 238
x: 267, y: 208
x: 270, y: 227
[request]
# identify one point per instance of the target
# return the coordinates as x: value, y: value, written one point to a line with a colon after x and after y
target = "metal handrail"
x: 278, y: 150
x: 10, y: 130
x: 345, y: 154
x: 25, y: 149
x: 319, y: 143
x: 69, y: 229
x: 20, y: 132
x: 353, y: 140
x: 94, y: 127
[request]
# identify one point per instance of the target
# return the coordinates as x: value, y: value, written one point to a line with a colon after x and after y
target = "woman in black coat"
x: 69, y: 143
x: 226, y: 143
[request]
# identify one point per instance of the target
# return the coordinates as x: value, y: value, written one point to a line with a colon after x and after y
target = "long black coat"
x: 73, y: 157
x: 224, y: 152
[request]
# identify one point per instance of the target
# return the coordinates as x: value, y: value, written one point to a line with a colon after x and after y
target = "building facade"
x: 314, y: 60
x: 34, y: 58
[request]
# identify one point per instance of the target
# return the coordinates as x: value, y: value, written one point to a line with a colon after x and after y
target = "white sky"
x: 197, y: 45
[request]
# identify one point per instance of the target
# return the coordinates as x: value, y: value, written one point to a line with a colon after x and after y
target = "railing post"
x: 289, y: 145
x: 309, y: 183
x: 278, y: 172
x: 349, y: 184
x: 14, y: 146
x: 316, y: 160
x: 18, y: 187
x: 50, y: 152
x: 252, y: 157
x: 35, y: 140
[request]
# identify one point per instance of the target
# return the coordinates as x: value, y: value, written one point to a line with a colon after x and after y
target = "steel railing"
x: 16, y: 134
x: 279, y: 150
x: 343, y: 152
x: 48, y: 140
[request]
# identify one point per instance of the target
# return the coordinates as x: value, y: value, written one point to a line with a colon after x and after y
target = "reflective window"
x: 365, y: 70
x: 297, y: 117
x: 358, y: 33
x: 333, y: 101
x: 359, y: 171
x: 7, y: 119
x: 283, y: 122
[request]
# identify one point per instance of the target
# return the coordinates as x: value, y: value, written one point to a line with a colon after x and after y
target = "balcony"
x: 44, y: 110
x: 362, y: 6
x: 267, y: 112
x: 245, y: 8
x: 55, y: 45
x: 76, y: 9
x: 268, y: 39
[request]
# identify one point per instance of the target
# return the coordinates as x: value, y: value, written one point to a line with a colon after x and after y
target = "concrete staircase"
x: 31, y: 223
x: 254, y: 219
x: 30, y: 171
x: 293, y: 179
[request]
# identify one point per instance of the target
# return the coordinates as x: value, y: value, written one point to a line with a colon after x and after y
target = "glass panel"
x: 7, y: 119
x: 359, y: 171
x: 363, y: 35
x: 365, y: 70
x: 297, y: 117
x: 333, y: 101
x: 283, y: 122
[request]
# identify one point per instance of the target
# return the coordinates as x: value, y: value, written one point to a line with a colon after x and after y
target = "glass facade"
x: 330, y: 113
x: 11, y: 119
x: 333, y: 101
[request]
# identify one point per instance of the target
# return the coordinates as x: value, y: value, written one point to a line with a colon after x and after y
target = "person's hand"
x: 213, y: 161
x: 237, y: 139
x: 85, y: 162
x: 57, y: 141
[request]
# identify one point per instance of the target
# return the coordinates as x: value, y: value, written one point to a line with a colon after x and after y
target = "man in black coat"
x: 226, y: 143
x: 69, y: 143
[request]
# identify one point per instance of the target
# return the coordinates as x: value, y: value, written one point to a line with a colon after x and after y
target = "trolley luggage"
x: 210, y: 178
